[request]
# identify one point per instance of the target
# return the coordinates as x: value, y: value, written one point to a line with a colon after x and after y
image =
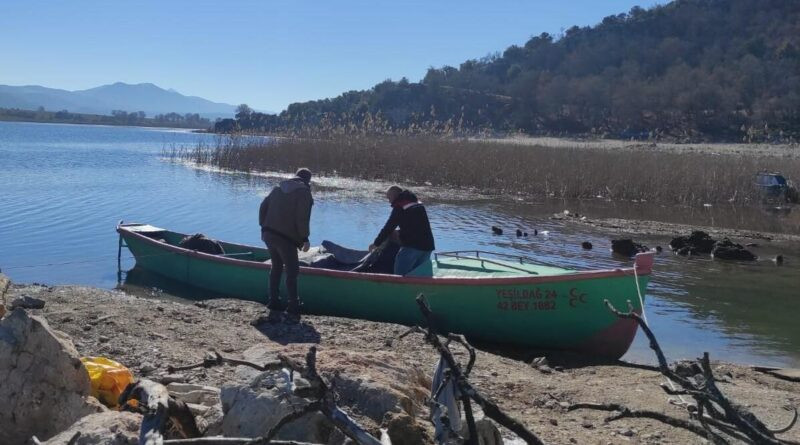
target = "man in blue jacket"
x: 415, y: 235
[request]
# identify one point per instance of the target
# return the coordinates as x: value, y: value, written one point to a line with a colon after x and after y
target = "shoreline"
x: 649, y: 228
x: 96, y: 124
x: 150, y: 334
x: 780, y: 149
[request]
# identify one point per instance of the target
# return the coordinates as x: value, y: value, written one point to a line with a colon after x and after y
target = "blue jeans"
x: 408, y: 259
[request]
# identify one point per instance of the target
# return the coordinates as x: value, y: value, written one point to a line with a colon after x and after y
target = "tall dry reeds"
x: 532, y: 171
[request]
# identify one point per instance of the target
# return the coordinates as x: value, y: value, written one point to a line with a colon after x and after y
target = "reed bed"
x: 532, y: 171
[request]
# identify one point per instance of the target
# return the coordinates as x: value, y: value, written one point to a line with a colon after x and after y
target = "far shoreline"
x: 94, y: 124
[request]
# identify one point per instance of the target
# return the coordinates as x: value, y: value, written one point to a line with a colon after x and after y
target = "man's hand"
x: 372, y: 247
x: 306, y: 246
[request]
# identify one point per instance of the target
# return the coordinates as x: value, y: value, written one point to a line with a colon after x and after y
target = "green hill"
x: 689, y: 70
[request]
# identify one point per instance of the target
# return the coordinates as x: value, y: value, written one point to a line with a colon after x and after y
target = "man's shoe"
x: 275, y: 317
x: 292, y: 318
x: 272, y: 317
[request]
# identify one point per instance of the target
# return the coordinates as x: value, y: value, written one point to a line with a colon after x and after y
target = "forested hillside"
x: 689, y: 70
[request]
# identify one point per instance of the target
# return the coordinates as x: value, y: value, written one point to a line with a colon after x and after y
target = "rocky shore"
x: 381, y: 380
x: 665, y: 229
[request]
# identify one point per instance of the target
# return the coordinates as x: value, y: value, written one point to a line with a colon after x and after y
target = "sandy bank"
x: 149, y: 334
x: 740, y: 149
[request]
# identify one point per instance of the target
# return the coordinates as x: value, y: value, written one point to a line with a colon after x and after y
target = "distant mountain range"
x: 145, y: 97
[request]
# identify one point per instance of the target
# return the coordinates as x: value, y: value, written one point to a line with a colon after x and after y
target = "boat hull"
x: 562, y: 312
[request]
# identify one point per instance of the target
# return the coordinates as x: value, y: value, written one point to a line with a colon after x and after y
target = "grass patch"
x: 662, y: 177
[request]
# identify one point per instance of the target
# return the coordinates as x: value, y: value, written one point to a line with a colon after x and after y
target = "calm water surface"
x: 63, y: 188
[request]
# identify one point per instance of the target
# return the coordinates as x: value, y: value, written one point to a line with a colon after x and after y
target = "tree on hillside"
x: 691, y: 69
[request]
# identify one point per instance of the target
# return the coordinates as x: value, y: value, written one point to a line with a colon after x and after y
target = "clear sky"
x: 267, y: 54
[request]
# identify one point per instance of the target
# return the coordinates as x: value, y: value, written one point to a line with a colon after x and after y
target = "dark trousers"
x: 284, y: 257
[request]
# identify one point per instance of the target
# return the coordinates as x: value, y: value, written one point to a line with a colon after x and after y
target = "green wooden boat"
x: 488, y: 297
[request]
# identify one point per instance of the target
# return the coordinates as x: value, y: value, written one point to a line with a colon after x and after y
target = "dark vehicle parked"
x: 775, y: 187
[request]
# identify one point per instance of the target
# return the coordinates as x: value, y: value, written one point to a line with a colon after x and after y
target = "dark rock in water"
x: 659, y: 249
x: 697, y: 242
x: 524, y: 233
x: 497, y: 230
x: 728, y: 250
x: 201, y: 243
x: 586, y: 245
x: 535, y: 232
x: 779, y: 260
x: 519, y: 232
x: 626, y: 247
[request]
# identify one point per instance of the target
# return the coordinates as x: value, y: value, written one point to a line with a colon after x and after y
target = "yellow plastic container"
x: 108, y: 378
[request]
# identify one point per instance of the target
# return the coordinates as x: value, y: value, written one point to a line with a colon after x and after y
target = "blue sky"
x: 267, y: 54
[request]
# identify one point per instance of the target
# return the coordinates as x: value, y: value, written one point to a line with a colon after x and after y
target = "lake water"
x: 63, y: 188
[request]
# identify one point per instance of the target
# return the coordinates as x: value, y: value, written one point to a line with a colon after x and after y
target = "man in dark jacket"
x: 284, y: 217
x: 415, y: 236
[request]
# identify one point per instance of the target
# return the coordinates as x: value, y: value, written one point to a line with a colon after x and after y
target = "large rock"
x: 728, y: 250
x: 44, y: 387
x: 626, y: 247
x: 376, y: 388
x: 106, y: 428
x: 252, y: 410
x: 698, y: 242
x: 4, y: 284
x: 204, y: 402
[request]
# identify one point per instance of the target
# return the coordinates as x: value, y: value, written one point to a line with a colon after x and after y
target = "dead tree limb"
x: 663, y: 366
x: 327, y: 402
x: 460, y: 339
x: 625, y: 412
x: 788, y: 426
x: 232, y: 441
x: 712, y: 407
x: 490, y: 409
x: 214, y: 358
x: 735, y: 414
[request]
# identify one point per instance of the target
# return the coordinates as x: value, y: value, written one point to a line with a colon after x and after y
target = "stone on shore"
x: 252, y: 410
x: 106, y: 428
x: 204, y: 402
x: 26, y: 302
x: 43, y: 384
x: 380, y: 391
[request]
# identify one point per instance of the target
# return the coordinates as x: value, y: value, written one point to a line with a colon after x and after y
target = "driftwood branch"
x: 490, y: 409
x: 460, y: 339
x: 214, y: 358
x: 711, y: 408
x: 622, y: 412
x: 327, y: 402
x: 232, y: 441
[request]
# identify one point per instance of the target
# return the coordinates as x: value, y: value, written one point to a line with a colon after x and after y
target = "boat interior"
x: 332, y: 256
